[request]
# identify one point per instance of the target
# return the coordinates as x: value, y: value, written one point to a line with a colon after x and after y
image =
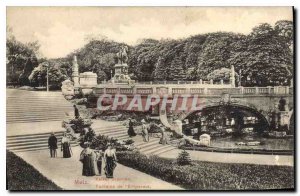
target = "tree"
x: 176, y: 71
x: 220, y: 74
x: 265, y: 59
x: 29, y: 65
x: 38, y: 76
x: 20, y: 59
x: 184, y: 158
x: 160, y: 72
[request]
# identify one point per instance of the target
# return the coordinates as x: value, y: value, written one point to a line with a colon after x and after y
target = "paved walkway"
x: 66, y: 173
x: 234, y: 157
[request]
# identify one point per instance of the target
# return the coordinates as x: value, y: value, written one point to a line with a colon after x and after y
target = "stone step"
x: 37, y: 107
x: 144, y: 144
x: 33, y: 114
x: 149, y: 151
x: 116, y: 135
x: 112, y: 131
x: 149, y: 147
x: 108, y: 127
x: 32, y: 146
x: 36, y: 142
x: 164, y: 150
x: 34, y: 134
x: 31, y: 138
x: 32, y: 120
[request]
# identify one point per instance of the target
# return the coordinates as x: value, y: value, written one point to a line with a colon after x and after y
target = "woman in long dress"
x: 87, y: 157
x: 131, y: 132
x: 65, y: 146
x: 110, y: 161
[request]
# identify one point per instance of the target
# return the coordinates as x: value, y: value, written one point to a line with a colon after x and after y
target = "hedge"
x: 211, y: 176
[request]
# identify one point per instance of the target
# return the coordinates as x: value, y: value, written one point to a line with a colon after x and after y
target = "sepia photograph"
x: 150, y: 98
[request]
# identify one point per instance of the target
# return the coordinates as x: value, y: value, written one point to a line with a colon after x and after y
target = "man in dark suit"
x: 52, y: 144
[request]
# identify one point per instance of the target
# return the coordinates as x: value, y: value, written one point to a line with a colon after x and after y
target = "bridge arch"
x: 262, y: 125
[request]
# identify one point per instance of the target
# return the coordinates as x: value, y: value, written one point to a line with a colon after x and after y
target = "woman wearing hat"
x: 130, y: 131
x: 65, y: 146
x: 87, y: 157
x: 110, y: 159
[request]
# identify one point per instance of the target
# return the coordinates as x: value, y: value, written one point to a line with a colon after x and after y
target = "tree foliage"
x: 263, y: 57
x: 38, y: 76
x: 20, y: 60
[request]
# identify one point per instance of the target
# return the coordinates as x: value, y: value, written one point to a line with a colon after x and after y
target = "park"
x: 212, y: 111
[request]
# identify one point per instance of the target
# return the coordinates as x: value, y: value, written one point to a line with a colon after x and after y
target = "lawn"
x: 22, y: 176
x: 212, y: 176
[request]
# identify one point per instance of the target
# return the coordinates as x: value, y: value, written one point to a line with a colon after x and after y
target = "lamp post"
x: 240, y: 77
x: 47, y: 66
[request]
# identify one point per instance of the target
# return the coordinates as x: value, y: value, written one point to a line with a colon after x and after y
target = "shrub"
x: 184, y: 158
x: 129, y: 141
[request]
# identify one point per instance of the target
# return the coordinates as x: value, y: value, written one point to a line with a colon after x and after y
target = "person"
x: 76, y: 112
x: 87, y: 157
x: 52, y: 144
x: 281, y: 105
x: 65, y: 146
x: 130, y: 131
x: 110, y: 161
x: 163, y: 139
x: 99, y: 155
x: 145, y: 133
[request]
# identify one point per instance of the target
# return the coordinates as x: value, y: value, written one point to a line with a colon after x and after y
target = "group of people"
x: 145, y: 130
x: 65, y: 146
x: 93, y: 161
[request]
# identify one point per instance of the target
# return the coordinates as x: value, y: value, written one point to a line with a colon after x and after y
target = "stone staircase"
x: 30, y: 106
x: 148, y: 148
x: 36, y: 109
x: 39, y: 141
x: 32, y: 142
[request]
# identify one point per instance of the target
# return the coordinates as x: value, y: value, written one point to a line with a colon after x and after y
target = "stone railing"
x: 277, y: 90
x: 220, y: 82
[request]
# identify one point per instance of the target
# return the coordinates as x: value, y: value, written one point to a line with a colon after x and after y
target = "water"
x: 269, y: 143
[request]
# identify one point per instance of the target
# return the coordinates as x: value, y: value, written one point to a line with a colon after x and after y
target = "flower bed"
x: 211, y: 176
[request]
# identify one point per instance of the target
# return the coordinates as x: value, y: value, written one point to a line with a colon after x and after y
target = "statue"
x: 122, y: 55
x: 68, y: 89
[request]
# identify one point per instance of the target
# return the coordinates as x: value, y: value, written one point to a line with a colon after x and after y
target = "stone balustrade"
x: 173, y: 90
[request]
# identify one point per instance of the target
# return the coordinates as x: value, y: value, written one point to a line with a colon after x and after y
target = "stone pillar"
x: 232, y: 76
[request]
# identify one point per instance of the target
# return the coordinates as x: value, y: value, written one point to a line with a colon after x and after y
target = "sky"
x: 61, y: 30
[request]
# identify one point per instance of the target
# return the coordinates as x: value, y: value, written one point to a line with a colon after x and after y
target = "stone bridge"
x: 263, y: 101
